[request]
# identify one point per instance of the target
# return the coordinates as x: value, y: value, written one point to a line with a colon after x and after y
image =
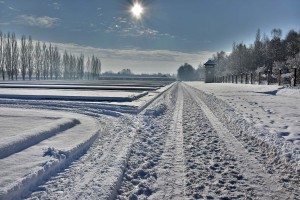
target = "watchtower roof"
x: 210, y: 63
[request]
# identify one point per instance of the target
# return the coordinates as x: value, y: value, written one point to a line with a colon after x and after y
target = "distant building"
x: 209, y: 71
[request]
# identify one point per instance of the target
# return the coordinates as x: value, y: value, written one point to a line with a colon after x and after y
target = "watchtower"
x: 209, y: 71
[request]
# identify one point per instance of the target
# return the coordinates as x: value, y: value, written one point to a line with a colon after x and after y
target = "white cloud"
x: 129, y: 28
x: 13, y: 9
x: 139, y: 61
x: 55, y: 5
x: 44, y: 21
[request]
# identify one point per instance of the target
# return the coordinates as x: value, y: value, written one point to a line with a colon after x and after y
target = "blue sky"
x: 169, y: 33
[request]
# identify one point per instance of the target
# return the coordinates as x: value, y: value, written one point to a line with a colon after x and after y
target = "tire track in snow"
x: 211, y: 170
x: 96, y: 175
x: 171, y: 178
x: 265, y: 185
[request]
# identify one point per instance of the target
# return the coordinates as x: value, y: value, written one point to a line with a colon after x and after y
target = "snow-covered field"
x: 70, y: 94
x: 182, y: 141
x: 273, y: 108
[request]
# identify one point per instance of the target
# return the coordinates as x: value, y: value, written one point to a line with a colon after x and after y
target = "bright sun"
x: 137, y: 10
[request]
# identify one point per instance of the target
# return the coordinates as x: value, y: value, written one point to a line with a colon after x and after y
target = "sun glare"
x: 137, y: 10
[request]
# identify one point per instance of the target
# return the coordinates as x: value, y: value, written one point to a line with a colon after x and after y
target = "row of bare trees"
x: 36, y: 60
x: 263, y: 55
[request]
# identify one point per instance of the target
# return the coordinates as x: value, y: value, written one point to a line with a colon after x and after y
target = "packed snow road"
x: 178, y: 147
x: 185, y: 152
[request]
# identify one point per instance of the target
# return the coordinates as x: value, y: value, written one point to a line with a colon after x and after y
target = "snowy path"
x: 263, y: 183
x: 185, y: 152
x: 171, y: 179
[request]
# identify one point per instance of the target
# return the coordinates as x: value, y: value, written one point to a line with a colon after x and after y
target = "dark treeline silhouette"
x: 264, y: 55
x: 186, y: 72
x: 42, y: 61
x: 128, y: 72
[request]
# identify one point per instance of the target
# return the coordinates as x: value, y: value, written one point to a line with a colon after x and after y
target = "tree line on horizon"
x: 263, y: 55
x: 38, y: 60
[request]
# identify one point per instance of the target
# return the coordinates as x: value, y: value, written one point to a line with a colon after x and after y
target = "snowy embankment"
x: 135, y: 104
x: 70, y: 95
x: 78, y: 87
x: 32, y: 157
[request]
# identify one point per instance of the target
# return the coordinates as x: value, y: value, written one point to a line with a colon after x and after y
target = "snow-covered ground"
x: 268, y: 107
x: 48, y: 142
x: 70, y: 94
x: 184, y: 141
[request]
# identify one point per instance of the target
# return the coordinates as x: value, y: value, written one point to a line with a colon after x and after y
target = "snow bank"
x: 294, y: 93
x: 78, y: 87
x: 11, y: 145
x: 23, y: 170
x: 70, y: 95
x: 154, y: 95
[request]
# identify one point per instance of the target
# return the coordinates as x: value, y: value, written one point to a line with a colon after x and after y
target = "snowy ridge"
x: 31, y: 137
x: 98, y: 173
x: 160, y: 92
x: 112, y: 109
x: 295, y: 93
x: 23, y: 171
x: 73, y: 98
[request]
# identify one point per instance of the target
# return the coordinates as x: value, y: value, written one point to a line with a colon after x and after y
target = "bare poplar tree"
x: 8, y: 57
x: 47, y: 63
x: 66, y: 65
x: 56, y: 63
x: 44, y: 61
x: 14, y: 57
x: 2, y: 54
x: 23, y: 57
x: 51, y: 61
x: 38, y: 60
x: 88, y: 68
x: 80, y: 66
x: 72, y: 66
x: 30, y: 58
x: 96, y: 67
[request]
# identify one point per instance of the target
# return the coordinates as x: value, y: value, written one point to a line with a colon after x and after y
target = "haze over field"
x: 165, y: 35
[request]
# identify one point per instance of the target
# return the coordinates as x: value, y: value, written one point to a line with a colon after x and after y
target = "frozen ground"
x: 70, y: 94
x: 28, y: 155
x: 273, y: 108
x: 185, y: 141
